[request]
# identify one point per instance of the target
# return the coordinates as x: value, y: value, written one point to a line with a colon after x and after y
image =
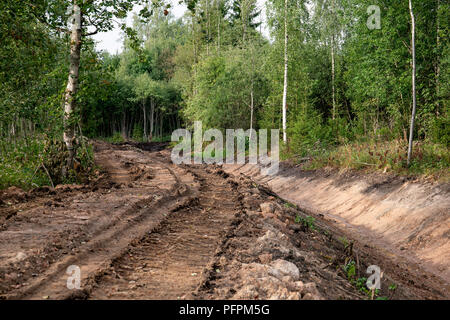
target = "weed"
x: 289, y: 205
x: 308, y: 222
x: 344, y: 241
x: 350, y: 269
x: 429, y: 159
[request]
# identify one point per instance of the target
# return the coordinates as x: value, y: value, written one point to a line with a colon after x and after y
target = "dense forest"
x: 339, y: 78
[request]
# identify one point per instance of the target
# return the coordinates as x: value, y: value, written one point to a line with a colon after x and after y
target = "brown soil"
x: 408, y: 220
x: 148, y: 229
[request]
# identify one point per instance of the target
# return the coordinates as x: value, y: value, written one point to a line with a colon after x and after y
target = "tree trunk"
x: 251, y: 91
x: 207, y: 27
x: 244, y: 19
x: 152, y: 114
x: 333, y: 63
x: 333, y: 81
x: 218, y: 25
x: 285, y: 71
x: 251, y: 113
x: 131, y: 126
x: 438, y: 57
x: 72, y: 84
x: 144, y: 110
x: 124, y: 126
x: 161, y: 125
x: 413, y: 50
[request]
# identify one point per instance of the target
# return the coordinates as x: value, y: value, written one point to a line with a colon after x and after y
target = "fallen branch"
x: 41, y: 165
x: 366, y: 164
x: 48, y: 175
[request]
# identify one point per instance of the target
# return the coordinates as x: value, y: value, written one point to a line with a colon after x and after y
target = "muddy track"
x: 169, y: 262
x: 148, y: 229
x: 90, y: 240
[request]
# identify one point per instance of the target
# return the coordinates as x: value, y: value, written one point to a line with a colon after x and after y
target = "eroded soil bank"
x: 409, y: 220
x: 150, y: 229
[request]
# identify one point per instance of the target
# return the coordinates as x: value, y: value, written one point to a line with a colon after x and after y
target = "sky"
x: 112, y: 41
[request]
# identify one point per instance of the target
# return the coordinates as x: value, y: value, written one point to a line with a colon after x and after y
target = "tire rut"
x: 170, y: 262
x: 102, y: 237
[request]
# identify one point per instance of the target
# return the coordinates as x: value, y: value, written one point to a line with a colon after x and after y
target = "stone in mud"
x: 271, y: 241
x: 284, y: 294
x: 267, y: 207
x: 265, y: 258
x: 310, y: 296
x: 298, y: 286
x: 253, y: 270
x: 311, y: 292
x: 20, y: 257
x: 248, y: 292
x: 280, y: 268
x: 223, y: 261
x: 311, y: 288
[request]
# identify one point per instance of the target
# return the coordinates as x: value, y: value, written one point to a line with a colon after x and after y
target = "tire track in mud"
x: 170, y: 262
x: 177, y: 232
x: 106, y: 236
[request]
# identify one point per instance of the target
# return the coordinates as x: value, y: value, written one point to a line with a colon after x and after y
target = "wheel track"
x: 111, y: 238
x: 172, y: 261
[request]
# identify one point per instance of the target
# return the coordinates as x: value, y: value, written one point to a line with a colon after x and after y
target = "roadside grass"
x: 18, y: 164
x: 115, y: 138
x: 34, y: 162
x: 118, y: 138
x: 308, y: 222
x: 430, y: 160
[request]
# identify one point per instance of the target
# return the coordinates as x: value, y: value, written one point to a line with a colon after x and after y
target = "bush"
x: 309, y: 135
x: 54, y: 158
x: 441, y: 130
x: 138, y: 133
x: 18, y: 164
x: 115, y: 138
x: 36, y: 162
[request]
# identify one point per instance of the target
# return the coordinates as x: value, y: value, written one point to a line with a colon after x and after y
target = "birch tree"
x: 72, y: 83
x: 285, y: 85
x: 325, y: 16
x: 85, y: 18
x: 413, y: 54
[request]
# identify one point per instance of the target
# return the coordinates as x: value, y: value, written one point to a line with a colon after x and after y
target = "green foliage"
x: 440, y: 129
x: 209, y: 65
x: 223, y: 86
x: 54, y: 156
x: 307, y: 222
x: 115, y: 138
x: 430, y: 159
x: 138, y: 133
x: 18, y: 164
x: 350, y: 269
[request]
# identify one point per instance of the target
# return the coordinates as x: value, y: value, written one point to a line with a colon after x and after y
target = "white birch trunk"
x: 333, y: 63
x: 285, y: 71
x: 251, y: 112
x: 72, y: 84
x: 333, y: 78
x: 438, y: 62
x: 218, y: 25
x: 413, y: 50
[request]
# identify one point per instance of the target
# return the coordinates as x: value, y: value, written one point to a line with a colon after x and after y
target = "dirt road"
x: 148, y: 229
